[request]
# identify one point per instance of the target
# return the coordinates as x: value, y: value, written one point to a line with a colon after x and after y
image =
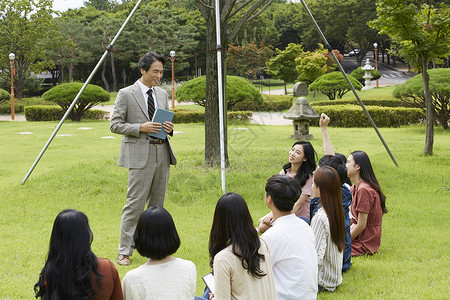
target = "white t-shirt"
x: 175, y: 279
x: 294, y: 260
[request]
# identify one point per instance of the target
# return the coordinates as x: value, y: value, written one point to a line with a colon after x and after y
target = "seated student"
x: 301, y: 165
x: 291, y: 242
x: 368, y: 207
x: 368, y: 201
x: 162, y: 276
x: 328, y: 227
x: 241, y: 260
x: 72, y: 271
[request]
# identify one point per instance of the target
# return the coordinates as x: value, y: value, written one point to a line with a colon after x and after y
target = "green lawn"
x: 80, y: 171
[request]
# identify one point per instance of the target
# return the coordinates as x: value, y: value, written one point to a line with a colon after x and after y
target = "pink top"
x: 366, y: 200
x: 306, y: 190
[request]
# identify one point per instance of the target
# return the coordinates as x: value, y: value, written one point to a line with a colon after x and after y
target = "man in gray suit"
x: 148, y: 159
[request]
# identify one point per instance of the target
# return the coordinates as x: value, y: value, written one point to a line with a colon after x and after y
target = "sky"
x: 63, y: 5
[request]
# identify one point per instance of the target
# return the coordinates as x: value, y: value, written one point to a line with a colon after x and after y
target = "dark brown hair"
x: 327, y: 180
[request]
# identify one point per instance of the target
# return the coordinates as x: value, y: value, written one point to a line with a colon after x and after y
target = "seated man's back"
x: 293, y: 256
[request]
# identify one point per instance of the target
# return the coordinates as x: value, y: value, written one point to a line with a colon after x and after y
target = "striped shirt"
x: 329, y: 258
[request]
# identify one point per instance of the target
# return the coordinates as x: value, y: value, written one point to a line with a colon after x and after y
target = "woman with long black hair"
x: 301, y: 165
x: 72, y: 271
x: 240, y: 259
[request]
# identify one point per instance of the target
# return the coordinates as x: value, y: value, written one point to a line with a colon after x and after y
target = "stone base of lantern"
x: 302, y: 137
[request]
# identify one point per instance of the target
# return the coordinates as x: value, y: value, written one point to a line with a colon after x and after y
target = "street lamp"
x: 11, y: 59
x: 375, y: 46
x: 172, y: 58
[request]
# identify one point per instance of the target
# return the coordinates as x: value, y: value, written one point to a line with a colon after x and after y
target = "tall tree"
x: 24, y: 26
x: 422, y: 29
x: 244, y: 11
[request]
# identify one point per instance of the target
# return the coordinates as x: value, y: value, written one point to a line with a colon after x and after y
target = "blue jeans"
x: 204, y: 296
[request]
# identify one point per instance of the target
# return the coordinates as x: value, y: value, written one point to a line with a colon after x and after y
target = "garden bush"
x: 371, y: 102
x: 19, y: 104
x: 195, y: 116
x: 238, y: 89
x: 65, y: 93
x: 55, y: 113
x: 271, y: 103
x: 4, y: 96
x: 411, y: 92
x: 354, y: 116
x: 334, y: 84
x: 359, y: 74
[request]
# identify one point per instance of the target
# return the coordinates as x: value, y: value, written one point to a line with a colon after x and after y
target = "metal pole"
x: 327, y: 46
x: 173, y: 87
x: 80, y: 92
x: 220, y: 84
x: 12, y: 90
x: 376, y: 61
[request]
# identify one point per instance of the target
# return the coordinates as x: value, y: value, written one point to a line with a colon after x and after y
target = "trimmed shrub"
x: 354, y: 116
x: 334, y: 84
x: 271, y: 103
x: 55, y: 113
x: 4, y: 96
x: 358, y: 74
x: 238, y: 90
x: 370, y: 102
x: 195, y: 116
x: 65, y: 93
x: 19, y: 104
x: 411, y: 92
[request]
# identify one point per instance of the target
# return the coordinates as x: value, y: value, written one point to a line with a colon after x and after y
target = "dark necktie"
x: 151, y: 104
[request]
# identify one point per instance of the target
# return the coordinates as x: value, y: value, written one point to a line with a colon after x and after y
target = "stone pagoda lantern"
x: 301, y: 113
x: 367, y: 75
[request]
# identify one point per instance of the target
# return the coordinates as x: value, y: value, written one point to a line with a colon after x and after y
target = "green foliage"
x: 334, y: 84
x: 55, y: 113
x: 411, y: 93
x: 27, y: 31
x: 358, y: 74
x: 4, y: 96
x: 311, y: 65
x: 65, y: 93
x: 271, y: 103
x: 19, y: 104
x: 422, y: 30
x: 195, y: 116
x: 370, y: 102
x: 354, y: 116
x: 282, y: 66
x: 238, y: 90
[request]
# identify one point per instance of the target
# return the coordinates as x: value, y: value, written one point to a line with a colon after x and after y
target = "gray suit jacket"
x: 130, y: 111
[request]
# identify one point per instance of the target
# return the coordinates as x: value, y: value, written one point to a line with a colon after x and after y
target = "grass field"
x: 79, y: 170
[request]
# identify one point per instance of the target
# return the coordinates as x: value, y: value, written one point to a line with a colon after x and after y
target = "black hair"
x: 146, y: 61
x: 307, y: 168
x: 336, y: 163
x: 284, y: 191
x: 233, y: 225
x: 155, y: 236
x: 70, y: 262
x: 366, y: 173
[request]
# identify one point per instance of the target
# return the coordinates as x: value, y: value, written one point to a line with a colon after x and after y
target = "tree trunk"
x: 212, y: 125
x: 105, y: 82
x: 70, y: 69
x: 429, y: 135
x: 113, y: 72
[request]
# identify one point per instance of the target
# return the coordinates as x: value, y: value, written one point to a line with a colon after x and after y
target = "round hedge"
x: 238, y: 89
x: 4, y: 96
x: 334, y: 84
x: 67, y: 92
